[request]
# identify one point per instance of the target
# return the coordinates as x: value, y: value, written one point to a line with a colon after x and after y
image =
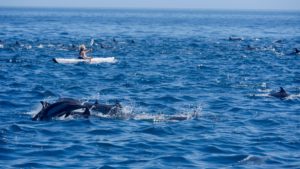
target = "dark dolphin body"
x: 281, y: 94
x: 296, y: 51
x: 235, y: 38
x: 104, y: 108
x: 249, y: 47
x: 68, y: 106
x: 63, y: 107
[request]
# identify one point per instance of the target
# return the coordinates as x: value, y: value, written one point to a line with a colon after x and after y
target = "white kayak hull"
x: 89, y: 61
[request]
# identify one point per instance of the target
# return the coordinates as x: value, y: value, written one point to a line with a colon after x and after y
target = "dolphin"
x: 18, y: 43
x: 295, y: 52
x: 68, y: 106
x: 63, y: 107
x: 235, y: 38
x: 111, y: 110
x: 281, y: 94
x: 249, y: 47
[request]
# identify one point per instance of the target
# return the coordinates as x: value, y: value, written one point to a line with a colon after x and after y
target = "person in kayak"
x: 83, y: 51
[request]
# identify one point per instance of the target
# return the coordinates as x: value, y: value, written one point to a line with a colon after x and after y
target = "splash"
x: 162, y: 117
x: 40, y: 46
x: 34, y: 111
x: 252, y: 160
x: 128, y: 112
x: 92, y: 42
x: 293, y: 97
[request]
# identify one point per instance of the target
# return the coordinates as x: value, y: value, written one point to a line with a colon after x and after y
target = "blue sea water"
x: 169, y: 63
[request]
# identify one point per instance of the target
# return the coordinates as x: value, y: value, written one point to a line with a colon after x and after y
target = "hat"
x: 81, y: 47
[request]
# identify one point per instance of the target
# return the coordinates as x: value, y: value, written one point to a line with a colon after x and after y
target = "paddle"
x: 92, y: 42
x: 91, y: 45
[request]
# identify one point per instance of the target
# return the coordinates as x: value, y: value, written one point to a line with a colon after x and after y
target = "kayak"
x: 89, y: 61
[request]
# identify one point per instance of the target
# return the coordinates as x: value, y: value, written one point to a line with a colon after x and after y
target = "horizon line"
x: 150, y: 8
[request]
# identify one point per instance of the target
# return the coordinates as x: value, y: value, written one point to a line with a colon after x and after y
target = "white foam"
x: 194, y: 114
x: 128, y: 113
x: 92, y: 42
x: 125, y: 113
x: 293, y: 96
x: 261, y: 95
x: 146, y: 116
x: 264, y: 85
x: 265, y: 90
x: 28, y: 47
x: 40, y: 46
x: 251, y: 159
x: 35, y: 110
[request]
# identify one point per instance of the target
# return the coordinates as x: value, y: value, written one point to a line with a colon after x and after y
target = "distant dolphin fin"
x: 282, y: 90
x: 54, y: 60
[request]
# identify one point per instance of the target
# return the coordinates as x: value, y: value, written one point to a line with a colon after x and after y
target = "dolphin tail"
x: 35, y: 118
x: 39, y: 115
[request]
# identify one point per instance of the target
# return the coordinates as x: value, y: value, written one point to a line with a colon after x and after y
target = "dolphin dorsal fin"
x: 44, y: 104
x: 282, y: 90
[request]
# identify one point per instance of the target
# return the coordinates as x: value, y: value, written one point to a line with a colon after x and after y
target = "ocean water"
x: 169, y: 63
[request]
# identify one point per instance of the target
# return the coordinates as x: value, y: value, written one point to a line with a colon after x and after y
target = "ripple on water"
x: 15, y: 128
x: 253, y: 160
x: 174, y: 161
x: 169, y: 99
x: 104, y: 132
x: 107, y: 167
x: 210, y: 149
x: 232, y: 159
x: 157, y: 131
x: 34, y: 165
x: 7, y: 104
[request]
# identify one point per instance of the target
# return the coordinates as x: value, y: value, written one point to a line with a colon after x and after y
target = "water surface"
x: 173, y: 62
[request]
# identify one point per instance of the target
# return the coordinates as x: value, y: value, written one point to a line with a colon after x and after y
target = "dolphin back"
x: 281, y: 94
x: 58, y: 109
